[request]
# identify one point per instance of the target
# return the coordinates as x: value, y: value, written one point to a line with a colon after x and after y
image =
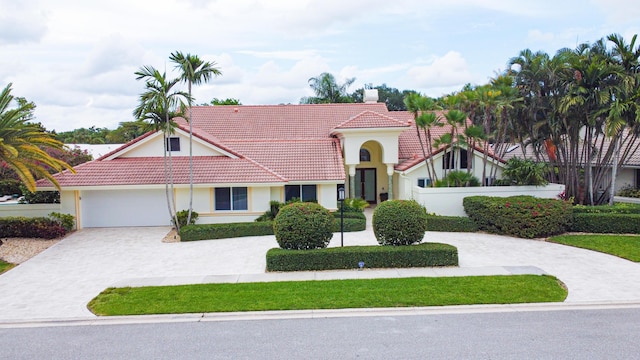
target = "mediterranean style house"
x: 246, y: 156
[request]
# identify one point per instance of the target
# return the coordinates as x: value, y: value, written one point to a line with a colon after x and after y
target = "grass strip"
x: 624, y: 246
x: 5, y: 266
x: 331, y: 294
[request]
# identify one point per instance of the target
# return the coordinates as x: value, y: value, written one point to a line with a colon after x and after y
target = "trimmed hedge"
x: 450, y: 224
x: 618, y: 208
x: 259, y: 228
x: 521, y: 216
x: 606, y: 223
x: 38, y: 227
x: 399, y: 222
x: 224, y: 231
x: 348, y: 257
x: 303, y: 226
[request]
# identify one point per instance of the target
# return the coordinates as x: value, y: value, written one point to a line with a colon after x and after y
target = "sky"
x: 75, y: 59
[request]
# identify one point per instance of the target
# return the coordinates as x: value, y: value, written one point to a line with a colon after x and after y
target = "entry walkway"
x: 60, y: 282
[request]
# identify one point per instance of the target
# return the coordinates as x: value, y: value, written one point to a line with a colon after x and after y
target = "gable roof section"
x: 371, y: 119
x: 150, y: 171
x: 297, y: 160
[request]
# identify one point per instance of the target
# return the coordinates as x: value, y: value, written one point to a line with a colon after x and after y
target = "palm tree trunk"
x: 190, y: 159
x: 614, y: 168
x: 172, y: 206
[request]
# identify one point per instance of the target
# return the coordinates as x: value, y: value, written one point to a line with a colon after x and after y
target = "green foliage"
x: 225, y: 231
x: 521, y: 216
x: 354, y: 205
x: 182, y: 215
x: 65, y: 220
x: 629, y: 192
x: 450, y: 224
x: 5, y: 266
x: 227, y: 101
x: 303, y: 226
x: 353, y: 221
x: 327, y: 90
x: 399, y: 222
x: 525, y: 172
x: 348, y: 257
x: 40, y: 197
x: 458, y: 178
x: 39, y: 227
x: 10, y: 187
x: 606, y: 223
x: 618, y: 208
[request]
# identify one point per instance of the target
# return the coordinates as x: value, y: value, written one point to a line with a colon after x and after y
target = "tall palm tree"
x: 159, y: 104
x: 193, y: 71
x: 327, y: 90
x: 23, y: 144
x: 425, y: 118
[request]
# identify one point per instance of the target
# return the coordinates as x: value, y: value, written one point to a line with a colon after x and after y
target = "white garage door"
x: 124, y: 208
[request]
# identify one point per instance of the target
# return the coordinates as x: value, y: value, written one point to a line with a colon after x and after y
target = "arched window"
x: 365, y: 155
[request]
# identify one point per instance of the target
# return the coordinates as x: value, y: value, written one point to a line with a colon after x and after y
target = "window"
x: 447, y: 161
x: 424, y: 182
x: 489, y: 181
x: 173, y: 144
x: 464, y: 160
x: 637, y: 178
x: 451, y: 164
x: 365, y: 155
x: 302, y: 192
x: 231, y: 198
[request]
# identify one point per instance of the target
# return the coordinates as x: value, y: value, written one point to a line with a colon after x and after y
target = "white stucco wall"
x: 328, y: 195
x: 153, y: 147
x: 625, y: 178
x: 448, y: 201
x: 28, y: 210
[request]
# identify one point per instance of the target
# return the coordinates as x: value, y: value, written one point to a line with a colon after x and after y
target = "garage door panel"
x: 124, y: 208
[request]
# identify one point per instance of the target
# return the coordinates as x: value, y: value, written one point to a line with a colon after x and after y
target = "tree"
x: 159, y: 104
x: 127, y: 131
x: 392, y: 97
x: 327, y: 90
x: 23, y: 145
x: 422, y: 108
x: 228, y: 101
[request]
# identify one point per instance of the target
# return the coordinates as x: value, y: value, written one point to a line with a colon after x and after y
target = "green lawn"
x: 4, y: 266
x: 334, y: 294
x: 624, y: 246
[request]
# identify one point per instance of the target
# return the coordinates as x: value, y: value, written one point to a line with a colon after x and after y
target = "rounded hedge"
x: 399, y: 222
x: 303, y: 226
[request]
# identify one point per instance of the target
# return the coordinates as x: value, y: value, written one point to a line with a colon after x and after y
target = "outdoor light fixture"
x: 361, y: 264
x: 341, y: 198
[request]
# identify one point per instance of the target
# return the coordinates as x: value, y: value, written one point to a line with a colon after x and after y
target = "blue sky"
x: 76, y: 59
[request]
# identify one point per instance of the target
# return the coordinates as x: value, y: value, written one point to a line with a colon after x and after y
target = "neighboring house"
x: 246, y: 156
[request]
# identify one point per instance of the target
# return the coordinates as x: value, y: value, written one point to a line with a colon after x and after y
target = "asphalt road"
x: 562, y: 334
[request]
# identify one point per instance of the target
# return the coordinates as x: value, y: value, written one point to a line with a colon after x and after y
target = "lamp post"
x: 341, y: 198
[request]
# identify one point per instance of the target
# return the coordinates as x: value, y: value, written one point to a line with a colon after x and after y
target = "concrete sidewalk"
x: 60, y: 282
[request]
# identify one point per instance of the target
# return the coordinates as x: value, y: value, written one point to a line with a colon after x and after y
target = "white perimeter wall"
x: 28, y: 210
x: 448, y: 201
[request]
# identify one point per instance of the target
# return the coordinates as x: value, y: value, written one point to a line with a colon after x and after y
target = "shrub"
x: 629, y: 192
x: 354, y: 205
x: 183, y: 215
x: 40, y: 197
x: 525, y: 172
x: 458, y: 178
x: 348, y: 257
x: 39, y: 227
x: 450, y: 223
x: 521, y: 216
x: 618, y: 208
x: 10, y: 187
x: 224, y: 231
x: 606, y: 223
x: 303, y: 226
x: 65, y: 220
x: 399, y: 222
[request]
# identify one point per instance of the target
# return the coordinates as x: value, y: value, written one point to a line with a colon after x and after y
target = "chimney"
x: 370, y: 96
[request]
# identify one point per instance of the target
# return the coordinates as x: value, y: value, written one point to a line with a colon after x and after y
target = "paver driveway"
x: 59, y: 282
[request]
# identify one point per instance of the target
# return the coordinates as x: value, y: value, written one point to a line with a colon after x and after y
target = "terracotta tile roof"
x: 266, y: 122
x: 150, y: 171
x: 371, y: 119
x: 296, y: 160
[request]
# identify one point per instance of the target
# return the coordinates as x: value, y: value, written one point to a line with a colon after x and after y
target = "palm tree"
x: 422, y: 109
x: 159, y: 104
x: 23, y: 144
x: 327, y: 90
x: 193, y: 71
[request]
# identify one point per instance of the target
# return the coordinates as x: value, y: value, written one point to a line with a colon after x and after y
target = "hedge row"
x: 257, y: 228
x: 606, y: 223
x: 521, y: 216
x: 450, y: 223
x: 348, y: 257
x: 39, y: 227
x: 618, y: 208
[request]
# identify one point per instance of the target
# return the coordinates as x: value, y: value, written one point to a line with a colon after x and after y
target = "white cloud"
x: 21, y: 22
x: 539, y: 36
x: 448, y: 70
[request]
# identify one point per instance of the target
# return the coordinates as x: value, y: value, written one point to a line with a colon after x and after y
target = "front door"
x: 366, y: 184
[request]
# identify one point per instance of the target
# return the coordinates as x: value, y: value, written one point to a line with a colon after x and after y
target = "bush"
x: 348, y: 257
x: 399, y: 222
x: 65, y: 220
x: 525, y: 172
x: 458, y: 178
x: 225, y: 231
x: 618, y: 208
x: 183, y: 215
x: 629, y: 192
x: 40, y: 197
x: 450, y: 223
x: 521, y: 216
x: 10, y: 187
x: 39, y: 227
x: 303, y: 226
x: 354, y: 205
x: 606, y: 223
